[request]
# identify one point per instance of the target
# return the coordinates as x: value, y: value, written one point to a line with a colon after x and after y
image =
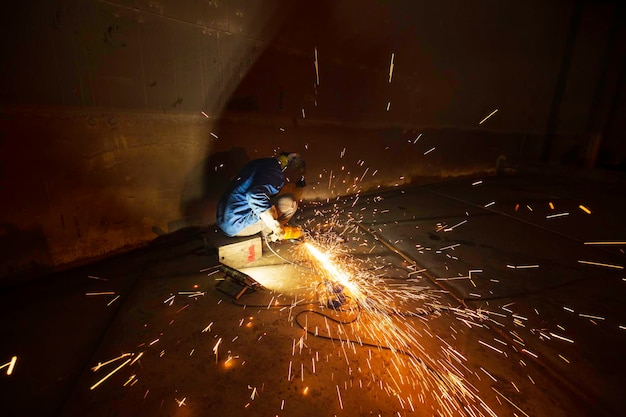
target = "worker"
x: 257, y: 201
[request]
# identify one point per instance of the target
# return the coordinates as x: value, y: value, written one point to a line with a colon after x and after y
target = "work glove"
x: 273, y: 237
x: 272, y: 224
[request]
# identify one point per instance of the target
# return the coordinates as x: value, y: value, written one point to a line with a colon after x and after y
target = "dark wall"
x: 121, y: 119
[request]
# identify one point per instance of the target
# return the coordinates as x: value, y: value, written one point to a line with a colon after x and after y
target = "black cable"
x: 284, y: 259
x: 434, y: 372
x: 341, y: 322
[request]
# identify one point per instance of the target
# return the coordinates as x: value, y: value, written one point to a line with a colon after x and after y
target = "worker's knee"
x: 286, y: 206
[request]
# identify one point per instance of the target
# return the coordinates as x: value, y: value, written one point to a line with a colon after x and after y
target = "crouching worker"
x: 257, y: 201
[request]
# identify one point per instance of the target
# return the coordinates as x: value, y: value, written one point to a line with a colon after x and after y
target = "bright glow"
x: 11, y: 365
x: 334, y: 274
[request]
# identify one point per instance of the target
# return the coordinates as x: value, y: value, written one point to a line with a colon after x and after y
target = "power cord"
x: 280, y: 257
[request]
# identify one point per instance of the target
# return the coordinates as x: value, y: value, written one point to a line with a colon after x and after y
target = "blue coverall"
x: 249, y: 195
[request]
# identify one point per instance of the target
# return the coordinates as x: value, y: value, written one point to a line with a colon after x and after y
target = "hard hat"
x: 292, y: 160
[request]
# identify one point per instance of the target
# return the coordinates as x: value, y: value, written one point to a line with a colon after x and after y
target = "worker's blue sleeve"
x: 264, y: 186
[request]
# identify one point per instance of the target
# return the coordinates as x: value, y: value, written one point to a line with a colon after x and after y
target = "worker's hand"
x: 275, y: 236
x: 270, y: 221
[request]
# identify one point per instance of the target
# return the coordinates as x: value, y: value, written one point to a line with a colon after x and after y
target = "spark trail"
x: 382, y: 322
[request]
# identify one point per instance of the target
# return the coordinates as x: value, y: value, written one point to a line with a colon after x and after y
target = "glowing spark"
x: 191, y: 293
x: 109, y: 374
x: 305, y: 391
x: 334, y: 273
x: 606, y: 243
x: 488, y: 374
x: 509, y: 401
x: 214, y: 135
x: 303, y: 115
x: 129, y: 380
x: 589, y: 316
x: 522, y: 266
x: 561, y: 337
x: 388, y: 105
x: 289, y: 373
x: 10, y: 365
x: 136, y: 358
x: 196, y: 294
x: 477, y: 182
x: 365, y: 172
x: 489, y: 204
x: 534, y: 355
x: 391, y: 67
x: 551, y: 205
x: 204, y: 114
x: 456, y: 225
x: 113, y: 300
x: 181, y: 402
x: 429, y: 151
x: 317, y: 72
x: 94, y: 277
x: 101, y: 364
x: 551, y: 216
x: 101, y: 293
x: 491, y: 347
x: 601, y: 264
x: 585, y: 209
x: 490, y: 114
x: 451, y: 246
x: 339, y: 395
x: 215, y: 348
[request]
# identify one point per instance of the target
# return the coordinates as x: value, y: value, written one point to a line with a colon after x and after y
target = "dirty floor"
x: 487, y: 296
